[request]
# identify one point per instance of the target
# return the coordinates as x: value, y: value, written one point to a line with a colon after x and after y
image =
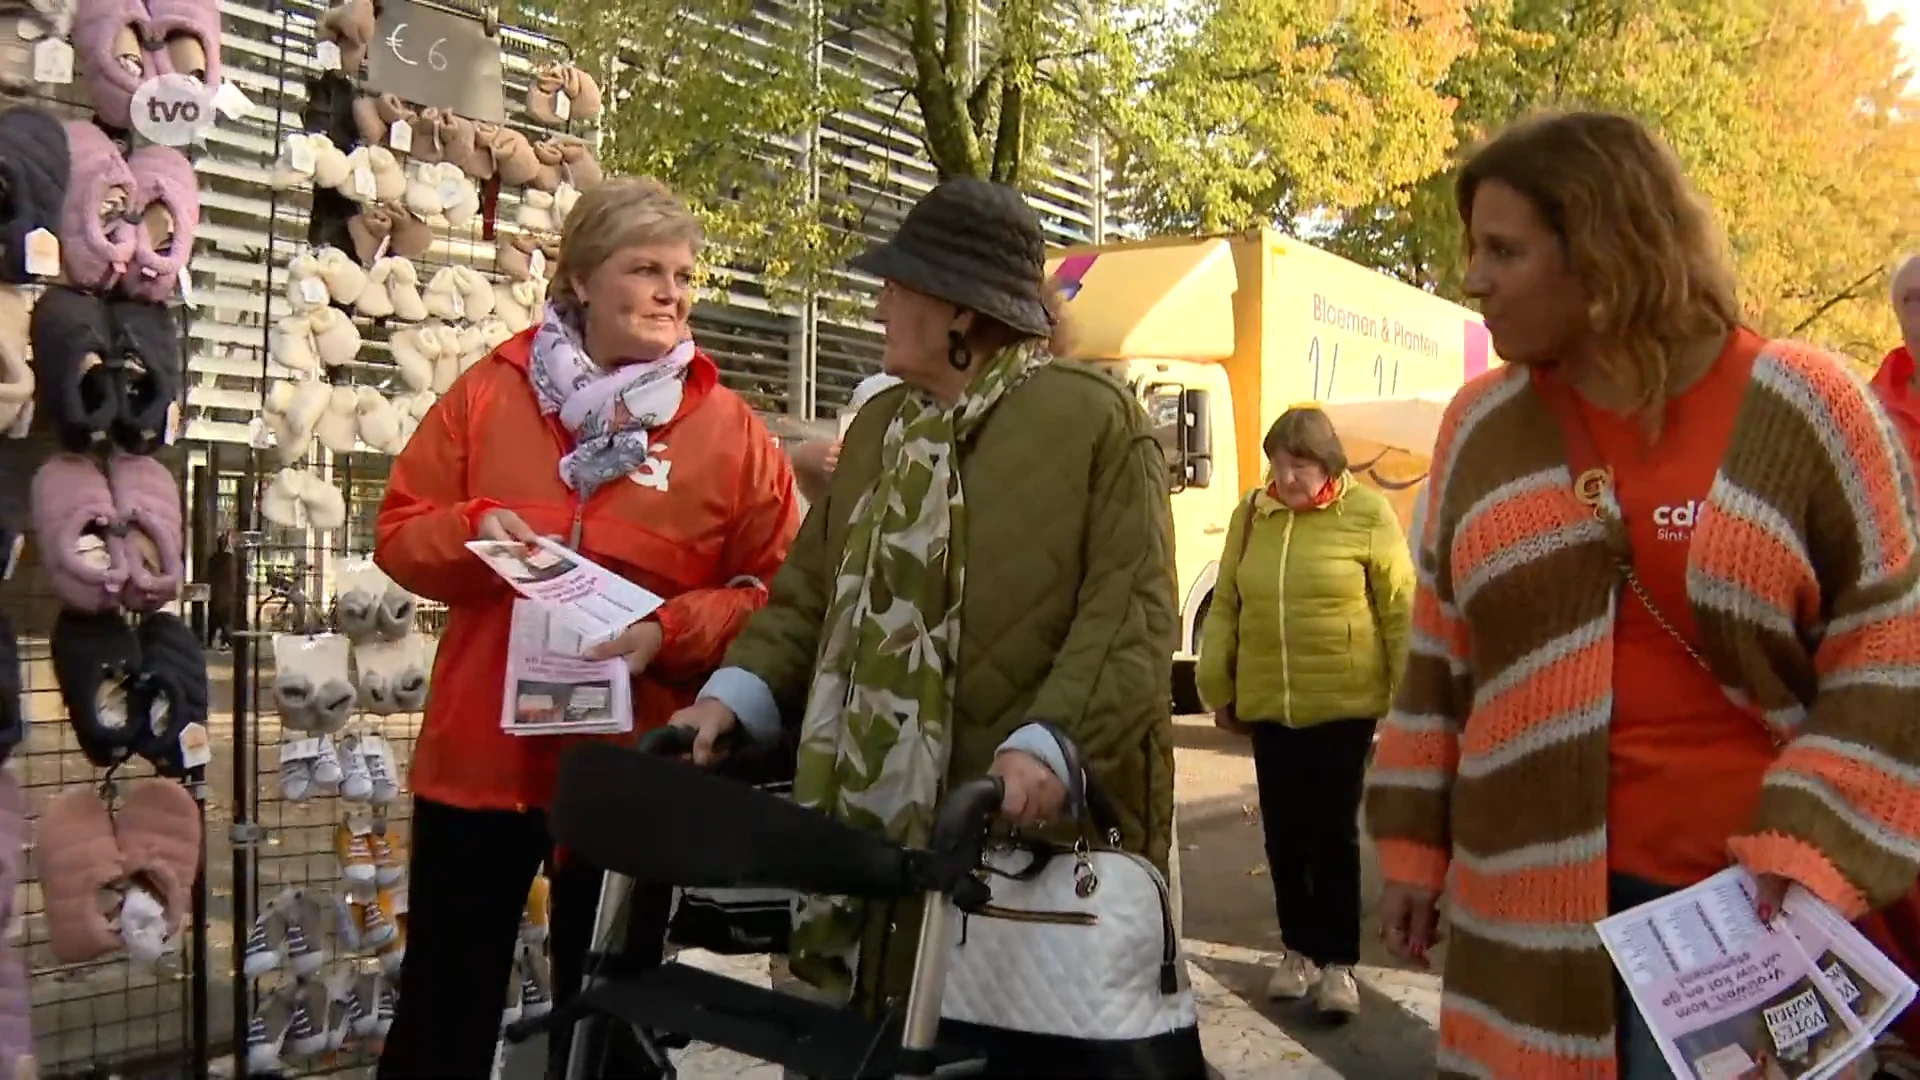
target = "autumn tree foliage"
x: 1339, y: 119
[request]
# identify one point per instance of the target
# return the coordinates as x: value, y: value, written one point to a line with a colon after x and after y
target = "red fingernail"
x: 1766, y: 914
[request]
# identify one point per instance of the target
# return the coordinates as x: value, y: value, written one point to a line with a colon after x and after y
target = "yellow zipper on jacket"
x: 1286, y: 670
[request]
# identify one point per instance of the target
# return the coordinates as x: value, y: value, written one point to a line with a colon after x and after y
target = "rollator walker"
x: 751, y: 839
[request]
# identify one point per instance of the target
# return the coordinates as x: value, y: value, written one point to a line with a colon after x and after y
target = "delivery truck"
x: 1218, y: 335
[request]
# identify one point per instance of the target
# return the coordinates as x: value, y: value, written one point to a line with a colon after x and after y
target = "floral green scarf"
x: 875, y: 738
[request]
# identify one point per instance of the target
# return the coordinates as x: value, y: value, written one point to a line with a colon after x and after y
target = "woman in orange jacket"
x: 605, y: 427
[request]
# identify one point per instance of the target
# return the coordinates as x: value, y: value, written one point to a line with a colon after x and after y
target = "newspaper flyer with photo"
x: 1866, y: 982
x: 595, y: 601
x: 1725, y: 997
x: 551, y: 689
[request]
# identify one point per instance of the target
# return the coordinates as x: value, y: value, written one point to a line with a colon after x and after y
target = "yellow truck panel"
x: 1218, y: 335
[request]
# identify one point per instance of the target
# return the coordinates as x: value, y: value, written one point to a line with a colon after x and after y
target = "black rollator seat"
x: 609, y: 809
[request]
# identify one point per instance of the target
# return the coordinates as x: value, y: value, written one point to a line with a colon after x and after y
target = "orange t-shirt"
x: 1686, y: 762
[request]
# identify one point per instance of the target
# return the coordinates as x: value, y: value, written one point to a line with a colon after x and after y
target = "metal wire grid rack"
x: 281, y: 843
x: 101, y: 1016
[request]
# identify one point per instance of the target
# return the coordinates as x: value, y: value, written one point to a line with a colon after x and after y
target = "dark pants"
x: 1310, y: 780
x: 1638, y: 1056
x: 467, y: 887
x: 219, y: 625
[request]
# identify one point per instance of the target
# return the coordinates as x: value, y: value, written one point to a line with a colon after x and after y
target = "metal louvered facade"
x: 784, y: 361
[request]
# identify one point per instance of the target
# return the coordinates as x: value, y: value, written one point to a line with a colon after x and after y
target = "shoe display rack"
x: 406, y: 242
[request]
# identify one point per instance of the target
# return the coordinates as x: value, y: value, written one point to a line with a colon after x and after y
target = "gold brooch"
x: 1590, y: 487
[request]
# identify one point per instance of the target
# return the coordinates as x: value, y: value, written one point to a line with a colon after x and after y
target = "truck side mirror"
x: 1196, y: 437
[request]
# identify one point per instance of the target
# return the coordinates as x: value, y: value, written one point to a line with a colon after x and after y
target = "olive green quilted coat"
x: 1069, y: 612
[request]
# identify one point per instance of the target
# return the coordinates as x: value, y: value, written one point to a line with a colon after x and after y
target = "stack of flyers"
x: 1728, y: 998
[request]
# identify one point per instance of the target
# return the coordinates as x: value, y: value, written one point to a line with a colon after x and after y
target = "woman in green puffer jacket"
x: 1302, y: 649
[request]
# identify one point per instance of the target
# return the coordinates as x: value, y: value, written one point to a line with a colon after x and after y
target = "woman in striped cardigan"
x: 1666, y: 615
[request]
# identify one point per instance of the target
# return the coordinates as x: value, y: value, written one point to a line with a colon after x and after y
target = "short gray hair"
x: 1903, y: 266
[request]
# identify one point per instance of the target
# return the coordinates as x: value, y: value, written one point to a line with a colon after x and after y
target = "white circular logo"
x: 173, y: 110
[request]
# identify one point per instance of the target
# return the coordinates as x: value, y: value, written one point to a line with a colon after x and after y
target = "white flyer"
x: 595, y: 601
x: 1726, y: 997
x: 1864, y: 980
x: 551, y: 689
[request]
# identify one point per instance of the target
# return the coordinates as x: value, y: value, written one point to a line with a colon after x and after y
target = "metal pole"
x: 246, y: 678
x: 920, y: 1028
x: 615, y: 890
x: 202, y: 1034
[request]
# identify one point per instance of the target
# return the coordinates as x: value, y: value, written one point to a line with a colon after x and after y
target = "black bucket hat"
x: 973, y: 243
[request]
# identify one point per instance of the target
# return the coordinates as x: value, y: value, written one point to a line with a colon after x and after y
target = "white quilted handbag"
x: 1085, y: 948
x: 1077, y: 948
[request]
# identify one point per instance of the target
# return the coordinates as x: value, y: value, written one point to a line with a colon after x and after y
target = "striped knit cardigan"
x: 1491, y: 773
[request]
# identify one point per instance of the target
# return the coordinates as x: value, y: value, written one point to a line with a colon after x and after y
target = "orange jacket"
x: 708, y: 542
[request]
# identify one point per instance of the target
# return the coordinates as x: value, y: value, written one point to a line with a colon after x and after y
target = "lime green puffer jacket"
x: 1310, y: 624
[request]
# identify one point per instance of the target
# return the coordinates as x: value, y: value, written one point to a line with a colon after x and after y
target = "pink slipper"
x: 190, y: 30
x: 159, y: 829
x: 147, y: 501
x: 79, y: 857
x: 74, y: 517
x: 96, y: 241
x: 109, y: 40
x: 165, y: 204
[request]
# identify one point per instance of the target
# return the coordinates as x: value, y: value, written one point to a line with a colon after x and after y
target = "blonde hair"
x: 1655, y: 265
x: 623, y: 212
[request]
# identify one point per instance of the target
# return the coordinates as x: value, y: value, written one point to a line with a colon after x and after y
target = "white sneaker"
x: 356, y: 783
x: 265, y: 1035
x: 380, y: 767
x: 1294, y: 977
x: 306, y: 1033
x: 340, y: 1008
x: 326, y: 767
x: 262, y: 955
x: 296, y: 782
x: 1338, y: 994
x: 363, y: 1012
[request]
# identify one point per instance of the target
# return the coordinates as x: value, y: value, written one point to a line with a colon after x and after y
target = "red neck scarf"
x: 1321, y: 499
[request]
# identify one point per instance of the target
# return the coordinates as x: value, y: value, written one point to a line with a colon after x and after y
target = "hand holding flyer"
x: 570, y: 605
x: 596, y: 602
x: 1728, y: 998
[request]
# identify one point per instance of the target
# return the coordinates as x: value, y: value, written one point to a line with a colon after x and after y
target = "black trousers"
x: 1310, y: 781
x: 467, y: 887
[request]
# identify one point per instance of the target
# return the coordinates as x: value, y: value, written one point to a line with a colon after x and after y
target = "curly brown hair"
x: 1655, y: 264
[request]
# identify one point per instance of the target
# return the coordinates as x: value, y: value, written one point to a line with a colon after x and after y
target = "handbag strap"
x: 1593, y: 480
x: 1087, y: 800
x: 1246, y: 528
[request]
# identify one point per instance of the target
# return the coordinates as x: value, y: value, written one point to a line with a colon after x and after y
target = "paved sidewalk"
x: 1393, y: 1037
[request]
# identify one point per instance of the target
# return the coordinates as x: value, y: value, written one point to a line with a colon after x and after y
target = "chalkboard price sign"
x: 433, y: 57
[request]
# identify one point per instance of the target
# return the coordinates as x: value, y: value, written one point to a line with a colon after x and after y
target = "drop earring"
x: 958, y: 355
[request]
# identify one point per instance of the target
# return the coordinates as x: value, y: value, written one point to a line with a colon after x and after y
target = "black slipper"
x: 329, y: 109
x: 146, y: 344
x: 34, y: 169
x: 169, y: 693
x: 13, y: 722
x: 75, y: 390
x: 94, y: 655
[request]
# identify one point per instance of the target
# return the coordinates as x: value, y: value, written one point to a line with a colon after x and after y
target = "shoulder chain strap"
x: 1591, y: 489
